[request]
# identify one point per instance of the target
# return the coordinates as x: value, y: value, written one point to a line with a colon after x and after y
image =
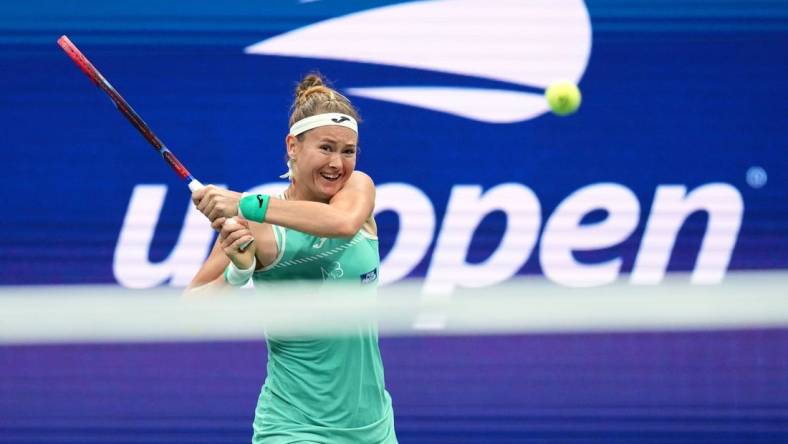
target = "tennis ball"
x: 563, y: 97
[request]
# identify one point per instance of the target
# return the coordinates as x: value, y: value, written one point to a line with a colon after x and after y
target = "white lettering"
x: 131, y: 264
x: 416, y: 228
x: 564, y: 234
x: 464, y: 212
x: 672, y: 206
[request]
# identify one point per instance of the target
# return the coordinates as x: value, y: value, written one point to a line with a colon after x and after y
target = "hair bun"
x: 309, y: 82
x: 314, y: 95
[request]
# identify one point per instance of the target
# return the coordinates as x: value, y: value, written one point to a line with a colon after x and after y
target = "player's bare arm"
x: 345, y: 214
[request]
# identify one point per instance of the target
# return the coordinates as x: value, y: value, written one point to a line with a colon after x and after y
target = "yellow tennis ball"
x: 563, y: 97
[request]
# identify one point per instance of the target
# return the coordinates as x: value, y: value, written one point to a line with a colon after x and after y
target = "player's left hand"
x: 234, y: 235
x: 218, y: 223
x: 215, y: 203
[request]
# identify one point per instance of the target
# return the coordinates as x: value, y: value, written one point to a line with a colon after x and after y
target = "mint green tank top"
x: 324, y: 389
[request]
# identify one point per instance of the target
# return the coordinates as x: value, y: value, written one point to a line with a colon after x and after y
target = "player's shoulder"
x: 360, y: 178
x: 262, y: 230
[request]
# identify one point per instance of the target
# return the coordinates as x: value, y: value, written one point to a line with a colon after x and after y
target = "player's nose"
x: 335, y: 161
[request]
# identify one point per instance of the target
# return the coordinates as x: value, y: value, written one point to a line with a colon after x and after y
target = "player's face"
x: 325, y: 160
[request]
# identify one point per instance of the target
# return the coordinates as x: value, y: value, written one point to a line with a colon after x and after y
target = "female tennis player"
x: 318, y: 390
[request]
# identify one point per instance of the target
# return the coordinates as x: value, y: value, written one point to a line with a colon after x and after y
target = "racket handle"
x: 246, y: 244
x: 195, y: 185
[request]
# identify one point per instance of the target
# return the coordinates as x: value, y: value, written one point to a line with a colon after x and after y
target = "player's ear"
x: 292, y: 144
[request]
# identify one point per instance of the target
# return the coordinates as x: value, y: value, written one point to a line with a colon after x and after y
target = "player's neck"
x: 294, y: 192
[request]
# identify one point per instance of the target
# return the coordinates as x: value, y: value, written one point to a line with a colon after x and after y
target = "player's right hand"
x: 215, y: 202
x: 234, y: 234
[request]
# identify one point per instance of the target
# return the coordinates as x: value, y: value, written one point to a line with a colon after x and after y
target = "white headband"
x: 312, y: 122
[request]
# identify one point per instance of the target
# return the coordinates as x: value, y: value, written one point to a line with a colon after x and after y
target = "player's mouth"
x: 331, y: 177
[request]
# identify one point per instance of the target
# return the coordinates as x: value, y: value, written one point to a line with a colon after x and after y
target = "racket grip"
x: 246, y: 244
x: 195, y: 185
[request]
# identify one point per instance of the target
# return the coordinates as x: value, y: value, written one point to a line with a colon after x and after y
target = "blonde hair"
x: 313, y: 96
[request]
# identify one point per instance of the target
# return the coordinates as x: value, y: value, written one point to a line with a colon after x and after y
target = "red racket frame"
x: 120, y: 103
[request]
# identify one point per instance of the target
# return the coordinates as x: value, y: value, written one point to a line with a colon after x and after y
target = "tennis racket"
x: 120, y: 103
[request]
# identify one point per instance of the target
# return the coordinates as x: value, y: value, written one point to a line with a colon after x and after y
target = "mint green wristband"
x: 254, y: 206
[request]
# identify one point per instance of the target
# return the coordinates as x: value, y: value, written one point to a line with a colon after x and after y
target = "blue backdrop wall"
x: 675, y: 162
x: 675, y: 94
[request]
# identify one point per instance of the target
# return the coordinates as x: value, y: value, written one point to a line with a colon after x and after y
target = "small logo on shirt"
x: 369, y: 277
x: 333, y: 272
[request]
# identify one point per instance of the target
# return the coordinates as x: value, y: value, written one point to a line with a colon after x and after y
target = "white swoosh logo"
x: 522, y: 42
